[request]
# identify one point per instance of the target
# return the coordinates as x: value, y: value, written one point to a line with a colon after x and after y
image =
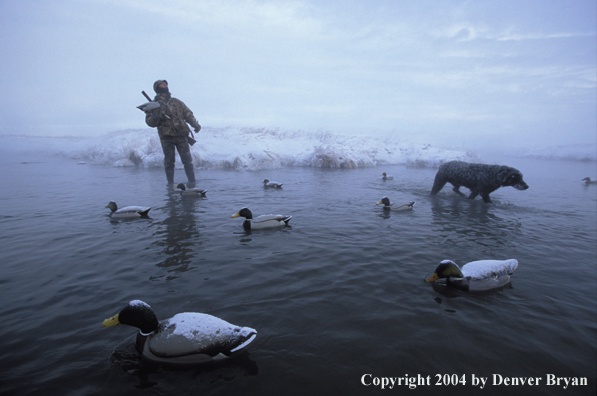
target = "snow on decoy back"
x: 190, y: 192
x: 185, y: 339
x: 128, y: 212
x: 262, y: 221
x: 477, y: 275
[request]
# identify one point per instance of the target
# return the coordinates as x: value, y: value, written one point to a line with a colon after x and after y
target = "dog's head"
x: 511, y: 177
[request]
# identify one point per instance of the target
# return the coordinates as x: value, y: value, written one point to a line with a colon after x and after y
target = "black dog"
x: 479, y: 178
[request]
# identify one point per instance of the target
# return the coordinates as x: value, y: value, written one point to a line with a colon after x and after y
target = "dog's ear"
x: 503, y: 174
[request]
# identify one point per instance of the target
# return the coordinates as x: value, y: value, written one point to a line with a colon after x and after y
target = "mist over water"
x: 258, y: 149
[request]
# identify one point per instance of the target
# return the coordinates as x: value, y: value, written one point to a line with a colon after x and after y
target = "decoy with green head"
x: 128, y: 212
x: 263, y: 221
x: 478, y: 275
x: 385, y: 201
x: 187, y: 338
x: 190, y: 192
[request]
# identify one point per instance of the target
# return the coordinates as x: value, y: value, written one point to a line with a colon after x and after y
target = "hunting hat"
x: 158, y: 82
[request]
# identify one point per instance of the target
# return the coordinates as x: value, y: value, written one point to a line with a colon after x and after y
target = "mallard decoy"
x: 190, y: 192
x: 263, y: 221
x: 271, y: 184
x: 130, y: 212
x: 477, y: 275
x: 386, y: 177
x: 588, y: 181
x: 385, y: 201
x: 184, y: 339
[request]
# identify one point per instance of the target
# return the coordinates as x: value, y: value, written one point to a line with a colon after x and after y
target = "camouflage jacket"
x: 172, y: 117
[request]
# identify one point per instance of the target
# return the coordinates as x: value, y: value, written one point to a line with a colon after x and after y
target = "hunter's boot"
x: 190, y: 171
x: 170, y: 176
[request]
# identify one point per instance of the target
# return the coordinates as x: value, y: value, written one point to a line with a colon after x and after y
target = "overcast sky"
x: 461, y: 71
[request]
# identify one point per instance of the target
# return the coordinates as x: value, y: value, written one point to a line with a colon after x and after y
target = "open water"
x: 338, y: 299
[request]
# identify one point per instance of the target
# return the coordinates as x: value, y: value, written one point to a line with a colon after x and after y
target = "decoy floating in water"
x: 385, y: 201
x: 184, y: 339
x: 263, y: 221
x: 477, y: 275
x: 190, y: 192
x: 129, y: 212
x: 588, y: 181
x: 386, y: 177
x: 271, y: 184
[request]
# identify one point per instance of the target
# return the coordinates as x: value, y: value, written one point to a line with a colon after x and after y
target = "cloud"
x: 512, y: 36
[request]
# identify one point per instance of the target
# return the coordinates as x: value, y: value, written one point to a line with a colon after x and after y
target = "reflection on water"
x: 146, y: 374
x: 178, y: 235
x: 452, y: 292
x: 460, y: 221
x: 384, y: 214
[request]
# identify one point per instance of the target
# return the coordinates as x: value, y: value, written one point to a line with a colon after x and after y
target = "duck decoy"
x: 190, y: 192
x: 385, y: 201
x: 263, y: 221
x: 477, y: 275
x: 185, y: 339
x: 130, y: 212
x: 271, y: 184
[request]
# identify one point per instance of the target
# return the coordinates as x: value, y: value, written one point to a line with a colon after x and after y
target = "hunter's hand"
x: 156, y: 113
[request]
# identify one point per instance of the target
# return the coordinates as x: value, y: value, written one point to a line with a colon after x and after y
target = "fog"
x: 462, y: 74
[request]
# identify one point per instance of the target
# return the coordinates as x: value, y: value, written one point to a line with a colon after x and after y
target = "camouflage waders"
x: 180, y: 143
